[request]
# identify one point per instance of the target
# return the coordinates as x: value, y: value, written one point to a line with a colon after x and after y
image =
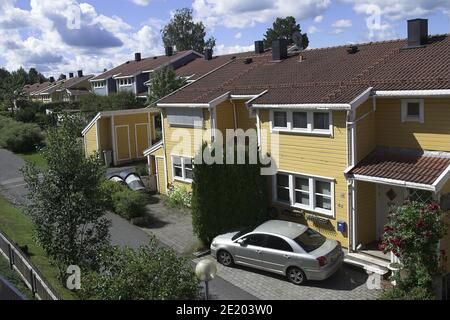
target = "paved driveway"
x: 12, y: 185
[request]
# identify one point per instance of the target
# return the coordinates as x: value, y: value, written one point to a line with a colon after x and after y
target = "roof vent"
x: 259, y: 47
x: 52, y: 79
x: 63, y: 77
x: 154, y: 58
x: 352, y: 49
x: 80, y: 73
x: 70, y: 74
x: 279, y: 49
x: 248, y: 60
x: 208, y: 54
x: 137, y: 57
x: 169, y: 51
x: 417, y: 33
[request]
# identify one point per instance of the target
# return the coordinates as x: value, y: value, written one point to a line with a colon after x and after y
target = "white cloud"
x: 142, y: 2
x: 40, y: 37
x: 245, y: 13
x: 342, y: 23
x: 318, y: 19
x: 312, y: 30
x: 222, y: 49
x: 238, y: 35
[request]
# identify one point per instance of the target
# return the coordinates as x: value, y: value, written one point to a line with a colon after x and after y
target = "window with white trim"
x: 413, y: 110
x: 308, y: 193
x: 125, y: 82
x: 182, y: 168
x: 311, y: 122
x: 99, y: 84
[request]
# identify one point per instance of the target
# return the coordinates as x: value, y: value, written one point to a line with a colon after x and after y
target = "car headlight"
x: 214, y: 244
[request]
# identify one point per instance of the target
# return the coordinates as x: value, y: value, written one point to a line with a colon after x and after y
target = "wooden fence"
x: 30, y: 275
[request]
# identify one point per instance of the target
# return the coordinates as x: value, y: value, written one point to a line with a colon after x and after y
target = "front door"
x: 388, y: 196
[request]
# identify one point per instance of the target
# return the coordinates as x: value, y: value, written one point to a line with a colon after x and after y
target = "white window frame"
x: 406, y: 118
x: 99, y: 84
x: 125, y: 82
x: 312, y: 193
x: 310, y: 122
x: 183, y: 168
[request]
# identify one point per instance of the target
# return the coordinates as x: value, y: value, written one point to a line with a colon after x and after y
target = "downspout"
x: 351, y: 155
x: 234, y: 114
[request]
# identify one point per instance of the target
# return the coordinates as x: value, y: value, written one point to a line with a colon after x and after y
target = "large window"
x: 413, y: 110
x: 99, y: 84
x: 311, y: 122
x: 309, y: 193
x: 185, y: 117
x: 125, y: 82
x: 182, y: 168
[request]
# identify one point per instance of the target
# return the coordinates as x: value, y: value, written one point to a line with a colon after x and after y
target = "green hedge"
x: 19, y: 137
x: 225, y: 197
x: 125, y: 202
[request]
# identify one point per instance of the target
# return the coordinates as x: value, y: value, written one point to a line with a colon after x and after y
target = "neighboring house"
x: 124, y: 134
x: 357, y: 129
x: 132, y: 75
x: 66, y: 90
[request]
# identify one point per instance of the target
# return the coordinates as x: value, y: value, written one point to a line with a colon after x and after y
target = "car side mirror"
x: 241, y: 242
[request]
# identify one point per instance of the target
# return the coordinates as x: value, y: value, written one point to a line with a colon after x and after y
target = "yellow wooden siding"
x: 90, y: 141
x: 244, y: 121
x: 225, y: 117
x: 161, y: 175
x: 366, y: 211
x: 433, y: 134
x: 131, y: 120
x: 365, y: 131
x: 158, y: 152
x: 123, y: 143
x: 315, y: 156
x: 142, y: 139
x: 104, y: 134
x: 181, y: 142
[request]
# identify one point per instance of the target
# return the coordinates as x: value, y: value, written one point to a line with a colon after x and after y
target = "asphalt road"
x: 12, y: 187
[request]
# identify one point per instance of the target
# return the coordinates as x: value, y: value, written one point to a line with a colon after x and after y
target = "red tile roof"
x: 70, y: 83
x: 328, y: 75
x: 133, y: 67
x: 403, y: 165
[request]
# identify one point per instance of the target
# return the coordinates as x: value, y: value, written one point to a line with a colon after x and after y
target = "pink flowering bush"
x: 412, y: 234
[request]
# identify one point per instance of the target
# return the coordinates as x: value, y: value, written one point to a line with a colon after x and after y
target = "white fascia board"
x: 242, y: 96
x: 187, y: 105
x: 400, y: 183
x: 412, y: 93
x: 442, y: 179
x: 125, y: 77
x: 91, y: 124
x: 153, y: 148
x: 219, y: 100
x: 363, y: 97
x: 96, y: 80
x: 305, y: 106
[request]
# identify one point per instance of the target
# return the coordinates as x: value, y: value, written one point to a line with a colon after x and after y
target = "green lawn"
x: 35, y: 158
x: 19, y: 228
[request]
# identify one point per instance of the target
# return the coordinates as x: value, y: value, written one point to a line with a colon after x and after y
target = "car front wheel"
x: 225, y: 258
x: 296, y: 276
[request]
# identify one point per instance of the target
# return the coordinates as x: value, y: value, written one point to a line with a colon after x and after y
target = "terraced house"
x: 356, y: 129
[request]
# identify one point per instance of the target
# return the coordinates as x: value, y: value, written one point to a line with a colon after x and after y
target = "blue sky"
x: 35, y: 32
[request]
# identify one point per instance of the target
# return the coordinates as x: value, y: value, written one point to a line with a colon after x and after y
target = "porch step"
x: 368, y: 263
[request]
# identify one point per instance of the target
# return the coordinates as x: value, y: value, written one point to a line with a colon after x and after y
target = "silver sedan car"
x: 282, y: 247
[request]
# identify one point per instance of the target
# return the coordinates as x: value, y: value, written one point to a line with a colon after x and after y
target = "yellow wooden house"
x: 121, y: 136
x: 351, y: 130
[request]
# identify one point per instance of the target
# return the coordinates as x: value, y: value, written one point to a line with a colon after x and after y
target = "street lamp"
x: 205, y: 271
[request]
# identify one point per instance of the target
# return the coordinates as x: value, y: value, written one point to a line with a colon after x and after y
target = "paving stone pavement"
x: 347, y: 284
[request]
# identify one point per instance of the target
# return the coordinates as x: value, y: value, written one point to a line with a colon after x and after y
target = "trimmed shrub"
x: 20, y: 137
x: 129, y: 204
x: 142, y: 170
x: 110, y: 188
x: 226, y: 197
x: 178, y: 197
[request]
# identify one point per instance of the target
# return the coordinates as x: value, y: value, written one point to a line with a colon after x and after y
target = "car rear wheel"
x: 225, y: 258
x: 296, y: 276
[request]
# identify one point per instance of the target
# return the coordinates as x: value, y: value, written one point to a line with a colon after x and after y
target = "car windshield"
x: 241, y: 233
x: 310, y: 240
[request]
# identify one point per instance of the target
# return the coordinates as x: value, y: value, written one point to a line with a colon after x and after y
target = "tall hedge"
x: 226, y: 197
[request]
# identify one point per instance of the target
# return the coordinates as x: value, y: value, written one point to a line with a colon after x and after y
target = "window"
x: 280, y: 119
x: 300, y: 120
x: 308, y: 193
x: 413, y: 110
x: 126, y: 81
x: 321, y: 120
x: 258, y: 240
x: 277, y: 243
x: 310, y: 240
x: 283, y: 188
x: 99, y: 84
x: 182, y: 168
x: 185, y: 117
x: 311, y: 122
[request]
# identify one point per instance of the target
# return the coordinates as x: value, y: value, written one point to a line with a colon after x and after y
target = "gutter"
x: 412, y: 93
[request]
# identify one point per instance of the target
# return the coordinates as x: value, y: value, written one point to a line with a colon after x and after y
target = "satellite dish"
x: 297, y: 38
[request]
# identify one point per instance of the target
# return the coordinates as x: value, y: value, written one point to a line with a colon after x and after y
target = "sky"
x: 62, y: 36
